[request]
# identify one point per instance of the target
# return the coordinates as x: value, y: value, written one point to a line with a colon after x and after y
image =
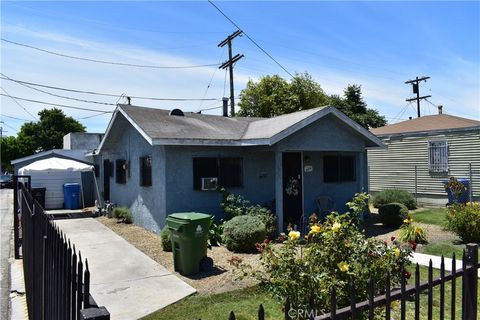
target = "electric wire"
x: 53, y: 104
x: 249, y: 38
x: 58, y: 95
x: 107, y: 94
x: 108, y: 62
x: 18, y: 103
x: 95, y: 115
x: 211, y: 79
x: 15, y: 118
x: 6, y: 124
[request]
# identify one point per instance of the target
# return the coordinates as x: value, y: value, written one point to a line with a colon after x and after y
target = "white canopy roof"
x: 55, y: 165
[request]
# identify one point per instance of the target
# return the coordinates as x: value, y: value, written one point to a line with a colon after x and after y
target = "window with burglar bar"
x: 438, y: 156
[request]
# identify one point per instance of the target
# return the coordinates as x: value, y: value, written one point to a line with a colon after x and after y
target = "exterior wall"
x: 395, y: 167
x: 53, y: 182
x: 147, y: 204
x: 82, y: 141
x: 258, y: 178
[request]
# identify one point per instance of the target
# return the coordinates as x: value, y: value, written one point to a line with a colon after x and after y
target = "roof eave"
x: 427, y: 132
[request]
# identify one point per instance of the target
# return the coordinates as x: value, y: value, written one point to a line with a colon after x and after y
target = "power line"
x: 249, y: 38
x: 18, y: 103
x: 109, y: 62
x: 15, y: 118
x: 58, y: 95
x: 107, y: 94
x: 54, y: 104
x: 95, y: 115
x: 8, y: 126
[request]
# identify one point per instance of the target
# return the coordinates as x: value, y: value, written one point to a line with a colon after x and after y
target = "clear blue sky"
x: 378, y: 45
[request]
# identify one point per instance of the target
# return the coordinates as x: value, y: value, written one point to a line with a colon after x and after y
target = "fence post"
x: 416, y: 184
x: 470, y: 189
x: 470, y: 282
x: 16, y: 242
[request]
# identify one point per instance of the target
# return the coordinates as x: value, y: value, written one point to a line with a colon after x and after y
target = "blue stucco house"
x: 157, y: 162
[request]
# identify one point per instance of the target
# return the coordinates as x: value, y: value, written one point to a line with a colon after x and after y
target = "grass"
x: 443, y: 248
x: 437, y: 216
x: 243, y: 302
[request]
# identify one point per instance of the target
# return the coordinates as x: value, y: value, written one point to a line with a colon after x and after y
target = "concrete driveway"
x: 123, y: 279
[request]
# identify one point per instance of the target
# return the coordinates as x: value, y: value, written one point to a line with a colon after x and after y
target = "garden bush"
x: 394, y: 195
x: 410, y: 232
x: 393, y: 214
x: 464, y: 220
x: 165, y: 237
x: 123, y: 214
x: 235, y: 205
x: 241, y: 233
x: 215, y: 234
x: 334, y: 254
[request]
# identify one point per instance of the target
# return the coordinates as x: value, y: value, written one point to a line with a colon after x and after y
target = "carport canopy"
x: 55, y: 165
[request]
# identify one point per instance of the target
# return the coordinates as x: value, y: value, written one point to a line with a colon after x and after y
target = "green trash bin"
x: 189, y: 234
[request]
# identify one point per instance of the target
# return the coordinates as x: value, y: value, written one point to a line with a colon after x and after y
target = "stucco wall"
x: 146, y: 203
x: 258, y: 178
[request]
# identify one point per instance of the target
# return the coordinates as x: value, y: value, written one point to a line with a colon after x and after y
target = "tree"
x: 353, y: 105
x: 34, y: 137
x: 272, y: 96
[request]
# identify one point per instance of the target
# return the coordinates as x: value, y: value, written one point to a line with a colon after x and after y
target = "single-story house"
x: 423, y: 152
x: 157, y: 162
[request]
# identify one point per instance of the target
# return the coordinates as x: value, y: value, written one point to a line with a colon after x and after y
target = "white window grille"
x: 438, y: 156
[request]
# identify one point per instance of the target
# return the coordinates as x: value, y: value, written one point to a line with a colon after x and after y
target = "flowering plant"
x: 334, y: 254
x: 409, y: 231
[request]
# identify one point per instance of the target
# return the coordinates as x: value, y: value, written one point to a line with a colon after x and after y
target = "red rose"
x: 392, y: 238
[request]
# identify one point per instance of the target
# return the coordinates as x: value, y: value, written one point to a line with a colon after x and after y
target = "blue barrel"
x: 463, y: 198
x: 71, y: 193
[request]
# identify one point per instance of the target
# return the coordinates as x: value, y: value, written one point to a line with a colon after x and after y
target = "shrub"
x: 123, y: 214
x: 165, y: 237
x: 410, y: 232
x: 243, y: 232
x: 334, y: 254
x: 393, y: 214
x: 464, y: 220
x: 235, y: 205
x: 215, y: 234
x: 394, y: 195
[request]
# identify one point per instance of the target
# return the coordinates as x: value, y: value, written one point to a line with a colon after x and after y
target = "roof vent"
x: 177, y: 112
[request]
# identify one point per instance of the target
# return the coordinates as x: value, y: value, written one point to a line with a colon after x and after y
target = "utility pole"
x: 229, y: 63
x: 416, y: 90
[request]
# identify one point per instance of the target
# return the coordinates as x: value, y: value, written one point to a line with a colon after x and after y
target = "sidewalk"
x: 123, y: 279
x: 424, y: 260
x: 18, y: 299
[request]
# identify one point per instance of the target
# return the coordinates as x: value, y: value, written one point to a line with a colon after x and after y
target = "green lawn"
x: 243, y: 302
x: 436, y: 216
x: 443, y: 248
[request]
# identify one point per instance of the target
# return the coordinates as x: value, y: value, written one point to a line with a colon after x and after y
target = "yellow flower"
x: 393, y: 304
x: 343, y: 266
x: 418, y: 230
x: 336, y: 226
x: 294, y: 235
x: 407, y: 221
x: 396, y: 252
x: 315, y: 228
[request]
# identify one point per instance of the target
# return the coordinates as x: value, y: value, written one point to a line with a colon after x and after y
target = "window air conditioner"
x: 209, y: 183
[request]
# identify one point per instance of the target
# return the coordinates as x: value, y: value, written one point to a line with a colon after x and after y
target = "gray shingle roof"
x: 158, y: 124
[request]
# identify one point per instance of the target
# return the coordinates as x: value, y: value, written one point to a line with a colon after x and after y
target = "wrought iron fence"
x: 366, y: 309
x: 57, y: 283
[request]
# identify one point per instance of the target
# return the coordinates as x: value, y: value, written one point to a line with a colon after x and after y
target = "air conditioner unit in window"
x: 209, y: 183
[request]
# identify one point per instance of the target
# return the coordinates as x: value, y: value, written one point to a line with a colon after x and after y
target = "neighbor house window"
x: 226, y: 172
x: 146, y: 171
x: 438, y: 156
x: 338, y: 168
x: 120, y: 171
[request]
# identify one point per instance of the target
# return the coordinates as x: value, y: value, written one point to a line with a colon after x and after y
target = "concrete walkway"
x: 424, y: 260
x: 123, y: 279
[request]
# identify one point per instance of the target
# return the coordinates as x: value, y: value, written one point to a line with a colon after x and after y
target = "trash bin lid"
x: 190, y: 216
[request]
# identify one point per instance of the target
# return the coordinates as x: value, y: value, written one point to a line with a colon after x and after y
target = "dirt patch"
x: 222, y: 278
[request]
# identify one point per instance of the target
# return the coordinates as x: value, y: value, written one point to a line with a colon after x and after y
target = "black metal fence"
x: 366, y: 309
x: 57, y: 283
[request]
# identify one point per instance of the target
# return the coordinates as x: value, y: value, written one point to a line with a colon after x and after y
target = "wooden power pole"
x: 416, y: 90
x: 229, y: 63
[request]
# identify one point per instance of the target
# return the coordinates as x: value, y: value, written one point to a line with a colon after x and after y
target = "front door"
x: 292, y: 187
x: 106, y: 180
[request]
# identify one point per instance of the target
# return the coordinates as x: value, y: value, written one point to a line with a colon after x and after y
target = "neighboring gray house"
x: 422, y: 152
x: 158, y: 162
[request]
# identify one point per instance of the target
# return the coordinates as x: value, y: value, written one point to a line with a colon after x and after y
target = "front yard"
x: 222, y: 291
